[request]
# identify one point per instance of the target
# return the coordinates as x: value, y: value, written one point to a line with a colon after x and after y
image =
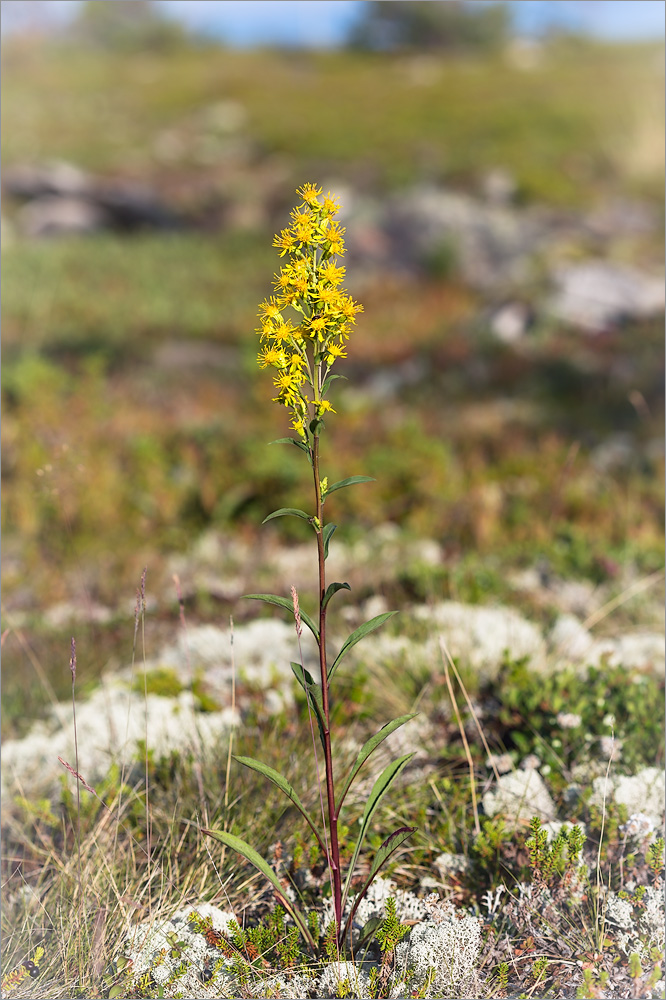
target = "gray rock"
x: 61, y: 216
x: 58, y: 178
x: 490, y: 243
x: 61, y: 199
x: 510, y: 322
x: 597, y: 294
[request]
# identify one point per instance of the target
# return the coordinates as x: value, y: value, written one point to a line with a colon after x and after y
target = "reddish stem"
x: 334, y: 859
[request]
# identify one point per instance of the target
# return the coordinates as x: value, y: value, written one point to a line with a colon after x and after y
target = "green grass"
x: 587, y: 118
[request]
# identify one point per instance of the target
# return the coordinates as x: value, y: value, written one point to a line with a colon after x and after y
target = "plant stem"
x: 334, y: 859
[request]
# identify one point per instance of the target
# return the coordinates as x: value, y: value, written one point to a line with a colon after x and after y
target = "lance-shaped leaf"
x: 332, y: 589
x: 365, y: 629
x: 238, y: 845
x: 367, y: 932
x: 348, y: 482
x: 298, y: 444
x: 328, y: 380
x: 369, y: 747
x: 288, y: 603
x: 284, y: 786
x: 328, y: 531
x: 391, y: 844
x: 379, y: 790
x: 287, y: 512
x: 314, y: 696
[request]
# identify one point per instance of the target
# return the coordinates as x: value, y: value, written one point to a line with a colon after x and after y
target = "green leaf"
x: 284, y: 786
x: 328, y: 380
x: 238, y: 845
x: 298, y: 444
x: 116, y: 991
x: 313, y: 693
x: 365, y: 629
x: 285, y: 511
x: 370, y: 746
x: 328, y: 531
x: 288, y: 604
x: 349, y: 482
x: 379, y: 790
x: 391, y: 844
x: 368, y: 932
x: 332, y: 589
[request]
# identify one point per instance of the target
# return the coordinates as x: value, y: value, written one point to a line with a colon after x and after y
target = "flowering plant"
x: 302, y: 353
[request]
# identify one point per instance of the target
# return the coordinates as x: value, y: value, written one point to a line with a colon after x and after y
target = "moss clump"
x: 162, y: 681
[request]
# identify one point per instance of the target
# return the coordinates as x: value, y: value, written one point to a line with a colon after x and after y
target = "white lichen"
x: 443, y: 951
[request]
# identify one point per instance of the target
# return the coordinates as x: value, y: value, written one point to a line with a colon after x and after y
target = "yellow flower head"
x: 323, y: 406
x: 334, y: 236
x: 310, y: 284
x: 273, y: 356
x: 270, y: 310
x: 303, y: 227
x: 350, y: 308
x: 335, y: 351
x: 331, y: 204
x: 331, y: 297
x: 331, y: 272
x: 309, y: 193
x: 283, y: 332
x: 317, y: 326
x: 285, y: 242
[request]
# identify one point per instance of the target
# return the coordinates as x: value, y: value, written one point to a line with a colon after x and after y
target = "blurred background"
x: 501, y: 170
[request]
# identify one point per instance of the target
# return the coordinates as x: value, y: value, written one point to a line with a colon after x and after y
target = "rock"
x: 622, y: 218
x: 61, y: 199
x: 490, y: 243
x: 596, y: 295
x: 510, y: 322
x: 133, y: 206
x: 519, y: 796
x: 59, y: 178
x: 61, y: 216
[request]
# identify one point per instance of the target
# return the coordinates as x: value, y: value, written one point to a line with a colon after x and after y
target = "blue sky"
x: 324, y: 22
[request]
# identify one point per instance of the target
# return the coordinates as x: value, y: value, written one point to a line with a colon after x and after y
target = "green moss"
x: 163, y: 682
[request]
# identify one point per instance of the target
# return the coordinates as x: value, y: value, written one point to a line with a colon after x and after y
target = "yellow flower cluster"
x: 310, y: 285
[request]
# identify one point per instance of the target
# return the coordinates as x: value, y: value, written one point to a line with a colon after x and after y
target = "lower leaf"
x: 249, y: 853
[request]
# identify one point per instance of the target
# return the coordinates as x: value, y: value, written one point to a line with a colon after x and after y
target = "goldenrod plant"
x: 304, y: 329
